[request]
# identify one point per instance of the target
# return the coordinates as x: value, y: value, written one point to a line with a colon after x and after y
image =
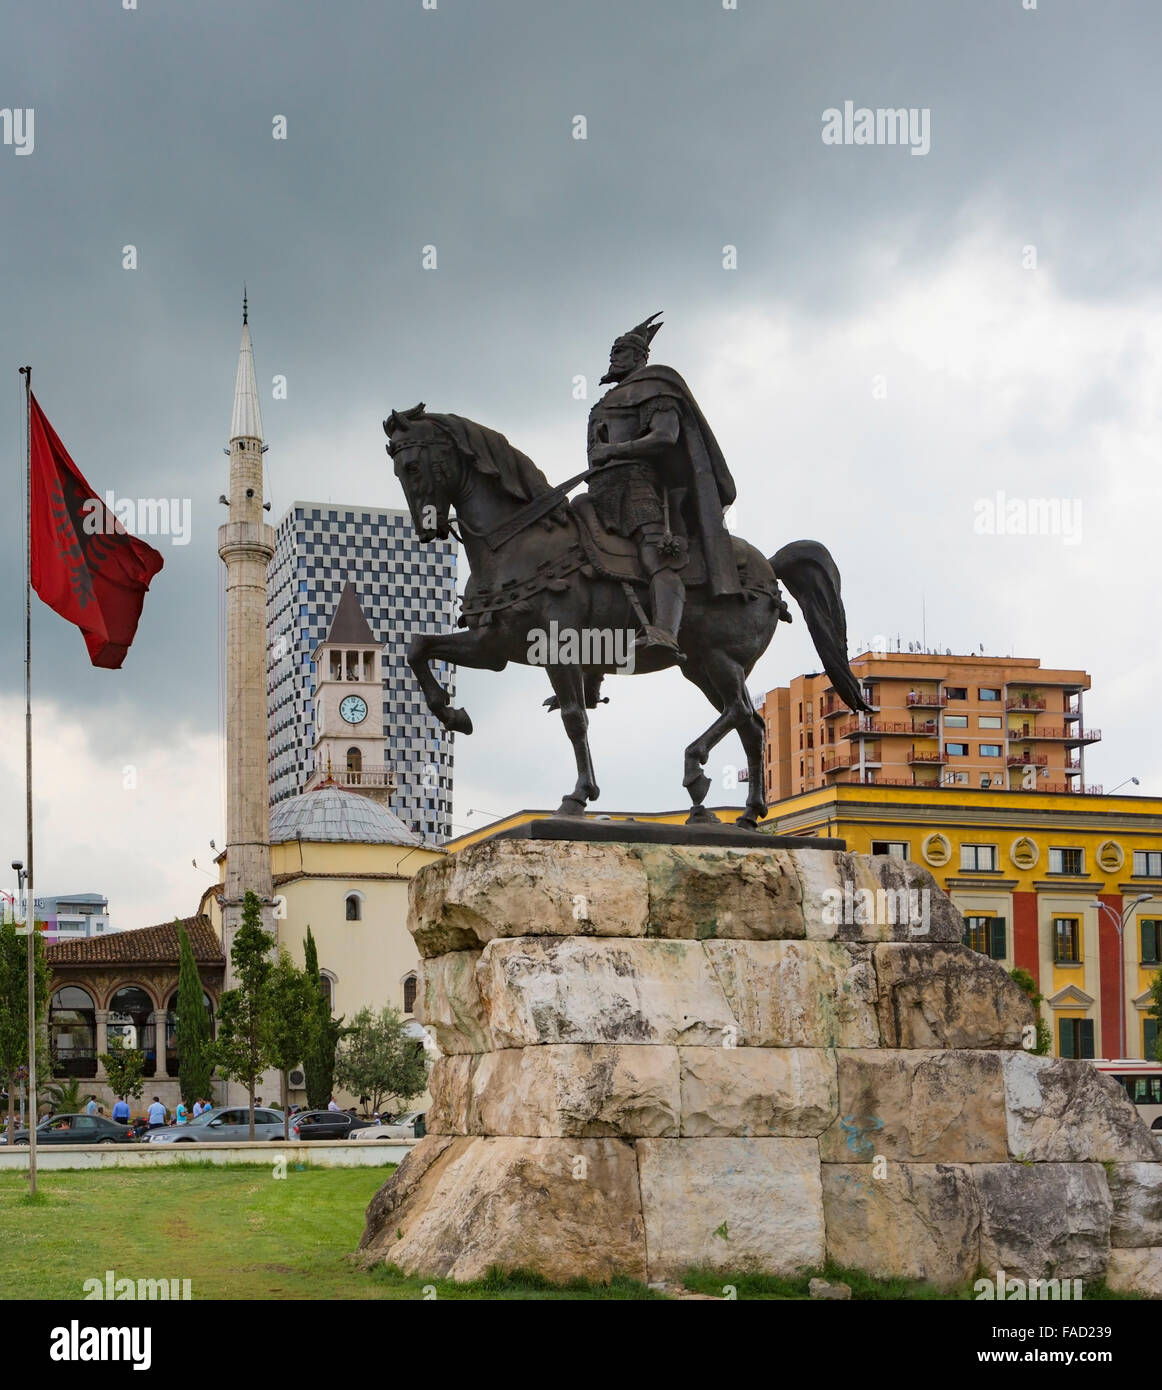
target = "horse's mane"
x: 492, y: 454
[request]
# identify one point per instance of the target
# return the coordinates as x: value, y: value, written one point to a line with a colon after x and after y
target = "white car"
x: 403, y: 1128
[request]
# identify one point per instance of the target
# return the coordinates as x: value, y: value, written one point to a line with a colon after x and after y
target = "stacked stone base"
x: 658, y: 1058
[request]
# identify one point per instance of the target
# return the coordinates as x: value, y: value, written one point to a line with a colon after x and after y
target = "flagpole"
x: 29, y: 900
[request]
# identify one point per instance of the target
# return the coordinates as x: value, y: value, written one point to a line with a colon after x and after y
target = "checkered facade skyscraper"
x: 403, y: 588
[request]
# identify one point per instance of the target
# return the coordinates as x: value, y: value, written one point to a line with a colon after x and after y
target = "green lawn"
x: 234, y: 1232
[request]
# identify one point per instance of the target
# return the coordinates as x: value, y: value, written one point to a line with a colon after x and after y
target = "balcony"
x: 1071, y: 788
x: 835, y: 759
x: 1032, y: 760
x: 1070, y: 735
x: 925, y: 699
x: 367, y: 777
x: 1032, y: 703
x: 863, y: 727
x: 935, y: 755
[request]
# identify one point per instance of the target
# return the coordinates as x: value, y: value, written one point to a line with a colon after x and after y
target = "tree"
x: 378, y: 1060
x: 124, y: 1069
x: 1155, y: 1011
x: 288, y: 1020
x: 14, y: 1009
x: 1024, y: 981
x: 323, y: 1036
x: 193, y: 1041
x: 240, y: 1051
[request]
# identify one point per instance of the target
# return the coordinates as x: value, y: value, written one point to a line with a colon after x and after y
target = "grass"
x: 237, y: 1233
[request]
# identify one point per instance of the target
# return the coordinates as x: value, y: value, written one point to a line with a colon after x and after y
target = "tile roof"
x: 147, y: 946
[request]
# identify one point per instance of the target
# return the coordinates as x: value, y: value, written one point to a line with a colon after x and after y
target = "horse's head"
x: 428, y: 466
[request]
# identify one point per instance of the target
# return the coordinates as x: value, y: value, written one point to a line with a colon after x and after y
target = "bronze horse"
x: 531, y: 575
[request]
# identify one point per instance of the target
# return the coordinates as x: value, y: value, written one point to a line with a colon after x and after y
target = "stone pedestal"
x: 657, y: 1057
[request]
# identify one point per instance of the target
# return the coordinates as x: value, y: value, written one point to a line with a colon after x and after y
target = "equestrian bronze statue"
x: 638, y: 574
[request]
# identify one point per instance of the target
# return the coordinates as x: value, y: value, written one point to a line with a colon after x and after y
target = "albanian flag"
x: 85, y: 564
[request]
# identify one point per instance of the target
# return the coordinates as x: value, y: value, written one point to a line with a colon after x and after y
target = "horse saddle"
x: 616, y: 557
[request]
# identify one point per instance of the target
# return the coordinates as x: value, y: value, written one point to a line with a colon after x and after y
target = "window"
x: 1147, y: 863
x: 410, y: 986
x: 987, y: 692
x: 989, y: 721
x: 1075, y: 1037
x: 956, y: 721
x: 354, y: 907
x: 1150, y: 1039
x: 869, y: 693
x: 1067, y: 945
x: 897, y: 847
x: 956, y: 692
x: 1151, y: 937
x: 978, y: 859
x: 990, y: 750
x: 956, y: 750
x: 1066, y: 861
x: 986, y: 935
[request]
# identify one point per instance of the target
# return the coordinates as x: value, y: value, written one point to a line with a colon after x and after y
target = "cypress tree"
x: 322, y: 1036
x: 195, y: 1064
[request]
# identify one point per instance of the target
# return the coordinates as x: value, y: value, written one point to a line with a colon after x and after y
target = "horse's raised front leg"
x: 476, y: 648
x: 569, y: 688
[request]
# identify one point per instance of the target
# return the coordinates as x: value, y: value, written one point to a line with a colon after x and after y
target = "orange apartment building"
x: 999, y: 723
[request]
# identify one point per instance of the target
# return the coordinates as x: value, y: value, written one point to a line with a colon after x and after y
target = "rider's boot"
x: 667, y: 599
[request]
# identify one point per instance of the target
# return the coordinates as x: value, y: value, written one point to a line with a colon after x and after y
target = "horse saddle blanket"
x: 616, y: 557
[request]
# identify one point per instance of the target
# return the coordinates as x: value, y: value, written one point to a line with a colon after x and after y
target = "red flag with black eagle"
x: 85, y: 565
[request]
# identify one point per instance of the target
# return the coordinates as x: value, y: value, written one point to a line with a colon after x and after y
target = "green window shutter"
x: 1087, y: 1037
x: 1065, y: 1037
x: 966, y: 939
x: 1150, y: 1038
x: 998, y: 942
x: 1149, y: 942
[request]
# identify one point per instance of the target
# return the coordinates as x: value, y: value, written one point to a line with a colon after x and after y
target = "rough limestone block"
x: 1064, y: 1111
x: 450, y: 1086
x: 919, y: 1221
x: 1044, y: 1220
x: 798, y: 993
x: 700, y: 893
x: 784, y: 1092
x: 947, y: 996
x: 508, y: 888
x: 448, y: 1001
x: 566, y: 1089
x: 568, y: 1208
x: 872, y: 897
x: 731, y: 1204
x: 581, y: 990
x: 1136, y: 1190
x: 1136, y: 1271
x: 918, y: 1107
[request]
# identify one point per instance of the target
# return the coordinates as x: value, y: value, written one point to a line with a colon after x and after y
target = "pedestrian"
x: 181, y: 1115
x: 91, y: 1108
x: 121, y: 1111
x: 157, y: 1113
x: 332, y: 1104
x: 197, y: 1108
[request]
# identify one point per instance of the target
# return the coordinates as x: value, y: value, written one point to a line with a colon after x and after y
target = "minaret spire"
x: 246, y: 544
x: 244, y: 302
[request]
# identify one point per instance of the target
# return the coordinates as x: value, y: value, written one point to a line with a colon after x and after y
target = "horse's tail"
x: 812, y: 577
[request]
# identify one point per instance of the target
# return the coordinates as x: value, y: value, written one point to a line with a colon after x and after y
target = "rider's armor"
x: 629, y: 496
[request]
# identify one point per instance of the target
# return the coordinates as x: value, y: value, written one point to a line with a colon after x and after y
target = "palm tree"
x: 65, y: 1096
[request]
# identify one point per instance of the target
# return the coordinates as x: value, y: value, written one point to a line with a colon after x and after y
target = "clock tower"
x: 349, y: 740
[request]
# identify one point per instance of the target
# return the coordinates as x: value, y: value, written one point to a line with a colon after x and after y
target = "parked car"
x: 403, y: 1128
x: 325, y: 1124
x: 77, y: 1129
x: 222, y: 1125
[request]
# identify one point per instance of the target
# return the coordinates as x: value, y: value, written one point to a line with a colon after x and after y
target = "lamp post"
x: 30, y: 933
x: 1119, y: 921
x: 1122, y: 784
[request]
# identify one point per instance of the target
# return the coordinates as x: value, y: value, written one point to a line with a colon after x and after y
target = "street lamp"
x: 1122, y: 784
x: 1119, y: 921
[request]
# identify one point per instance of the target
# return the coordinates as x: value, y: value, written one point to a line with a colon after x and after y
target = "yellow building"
x: 1044, y: 882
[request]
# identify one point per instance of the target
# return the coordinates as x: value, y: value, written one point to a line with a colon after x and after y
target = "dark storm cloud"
x: 408, y: 127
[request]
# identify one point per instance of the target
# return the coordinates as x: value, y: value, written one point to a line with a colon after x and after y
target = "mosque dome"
x: 331, y: 813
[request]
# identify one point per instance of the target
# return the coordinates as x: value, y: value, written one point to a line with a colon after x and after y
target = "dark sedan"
x: 78, y: 1129
x: 324, y: 1124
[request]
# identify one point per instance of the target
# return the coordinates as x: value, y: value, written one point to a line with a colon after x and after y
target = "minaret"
x: 246, y: 544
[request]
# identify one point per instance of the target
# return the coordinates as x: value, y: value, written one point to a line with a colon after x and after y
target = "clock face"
x: 354, y: 709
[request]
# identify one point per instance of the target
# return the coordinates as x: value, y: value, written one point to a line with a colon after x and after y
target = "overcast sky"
x: 904, y: 336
